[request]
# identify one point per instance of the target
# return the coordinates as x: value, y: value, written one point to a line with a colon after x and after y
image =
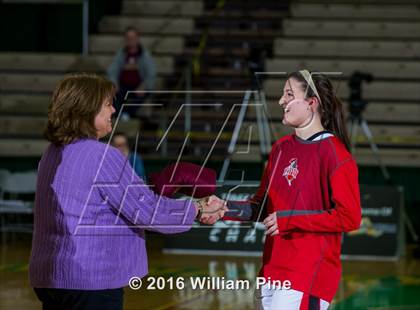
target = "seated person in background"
x: 120, y: 141
x: 132, y: 69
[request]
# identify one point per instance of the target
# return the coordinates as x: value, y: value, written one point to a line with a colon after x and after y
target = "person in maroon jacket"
x: 308, y: 196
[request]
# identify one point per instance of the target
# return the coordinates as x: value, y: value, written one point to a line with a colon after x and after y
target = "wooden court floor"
x: 365, y: 285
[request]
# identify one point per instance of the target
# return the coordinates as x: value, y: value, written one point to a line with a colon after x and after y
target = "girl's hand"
x: 213, y: 209
x: 271, y: 225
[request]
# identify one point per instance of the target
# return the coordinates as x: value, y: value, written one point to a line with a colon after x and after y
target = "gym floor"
x: 365, y: 285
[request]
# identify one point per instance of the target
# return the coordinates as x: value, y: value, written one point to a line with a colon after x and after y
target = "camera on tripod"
x: 356, y: 102
x: 356, y: 120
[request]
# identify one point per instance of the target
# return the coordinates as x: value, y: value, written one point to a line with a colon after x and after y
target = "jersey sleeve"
x: 346, y: 212
x: 254, y: 209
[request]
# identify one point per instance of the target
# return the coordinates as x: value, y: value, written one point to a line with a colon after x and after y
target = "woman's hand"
x: 271, y: 225
x: 214, y: 209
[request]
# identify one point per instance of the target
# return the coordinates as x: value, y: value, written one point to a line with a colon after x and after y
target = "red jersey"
x: 313, y: 187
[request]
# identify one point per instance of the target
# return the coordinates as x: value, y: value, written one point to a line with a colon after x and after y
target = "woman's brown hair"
x: 330, y: 106
x: 76, y: 100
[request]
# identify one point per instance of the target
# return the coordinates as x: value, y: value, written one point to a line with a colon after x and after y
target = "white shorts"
x: 269, y: 298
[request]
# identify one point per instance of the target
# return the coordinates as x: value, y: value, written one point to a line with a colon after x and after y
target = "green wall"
x: 49, y: 27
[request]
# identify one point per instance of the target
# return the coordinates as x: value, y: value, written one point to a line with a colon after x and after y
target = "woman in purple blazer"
x: 91, y: 209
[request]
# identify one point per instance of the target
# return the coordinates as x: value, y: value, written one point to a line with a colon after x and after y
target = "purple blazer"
x: 90, y: 214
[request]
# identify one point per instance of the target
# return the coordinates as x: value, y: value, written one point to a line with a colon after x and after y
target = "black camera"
x: 357, y: 104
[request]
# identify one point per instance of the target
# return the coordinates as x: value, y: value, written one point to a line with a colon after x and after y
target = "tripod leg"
x: 266, y: 125
x: 374, y: 147
x: 353, y: 124
x: 258, y: 110
x: 235, y: 135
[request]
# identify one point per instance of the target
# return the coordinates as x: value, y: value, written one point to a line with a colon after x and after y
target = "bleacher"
x: 308, y: 27
x: 348, y: 49
x: 203, y: 51
x: 28, y: 79
x: 328, y: 9
x: 187, y: 8
x: 380, y: 39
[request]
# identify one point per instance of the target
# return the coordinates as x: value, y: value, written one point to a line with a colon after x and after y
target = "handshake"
x: 210, y: 209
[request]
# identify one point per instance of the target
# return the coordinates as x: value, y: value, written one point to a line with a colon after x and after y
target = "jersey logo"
x: 291, y: 171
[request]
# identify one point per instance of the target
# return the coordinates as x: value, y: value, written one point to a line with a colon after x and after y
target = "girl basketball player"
x: 308, y: 196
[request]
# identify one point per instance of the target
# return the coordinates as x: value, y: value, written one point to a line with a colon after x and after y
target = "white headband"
x: 308, y: 78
